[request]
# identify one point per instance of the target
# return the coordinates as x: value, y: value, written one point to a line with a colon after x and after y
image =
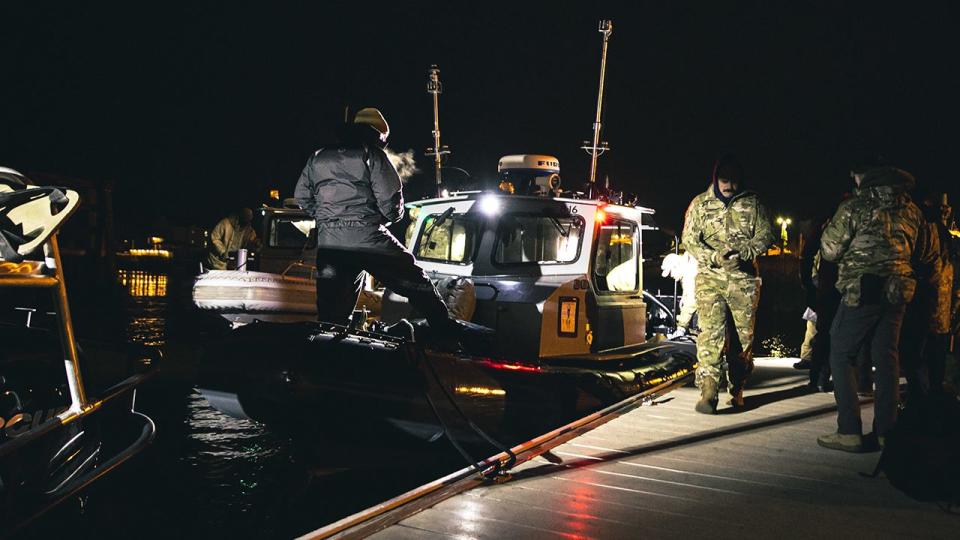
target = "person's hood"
x: 892, y: 177
x: 727, y: 167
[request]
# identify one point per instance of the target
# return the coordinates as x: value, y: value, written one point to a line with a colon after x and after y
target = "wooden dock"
x: 665, y: 471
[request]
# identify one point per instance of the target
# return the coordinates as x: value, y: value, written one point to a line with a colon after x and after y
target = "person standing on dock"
x: 875, y: 237
x: 726, y: 228
x: 353, y: 191
x: 229, y: 235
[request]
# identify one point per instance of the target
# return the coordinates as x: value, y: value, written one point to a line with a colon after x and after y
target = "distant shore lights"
x: 784, y: 222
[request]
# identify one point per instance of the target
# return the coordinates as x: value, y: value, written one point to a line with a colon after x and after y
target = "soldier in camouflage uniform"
x: 873, y: 237
x: 726, y: 228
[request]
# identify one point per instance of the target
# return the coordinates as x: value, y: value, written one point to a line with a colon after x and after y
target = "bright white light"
x: 444, y: 193
x: 490, y: 205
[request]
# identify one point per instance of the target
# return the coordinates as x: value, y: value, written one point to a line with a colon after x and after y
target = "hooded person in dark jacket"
x: 876, y: 238
x: 353, y: 192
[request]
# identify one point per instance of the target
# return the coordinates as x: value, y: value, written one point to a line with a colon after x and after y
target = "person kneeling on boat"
x: 353, y: 191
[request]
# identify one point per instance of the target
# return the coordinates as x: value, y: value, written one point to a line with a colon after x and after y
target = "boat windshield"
x: 292, y: 232
x: 452, y: 240
x: 615, y: 267
x: 538, y: 239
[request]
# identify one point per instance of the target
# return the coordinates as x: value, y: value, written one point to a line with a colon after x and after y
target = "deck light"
x: 490, y: 205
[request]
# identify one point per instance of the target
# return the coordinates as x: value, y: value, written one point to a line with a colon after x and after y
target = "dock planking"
x: 664, y: 471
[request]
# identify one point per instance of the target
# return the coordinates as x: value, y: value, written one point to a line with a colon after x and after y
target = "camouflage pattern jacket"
x: 878, y: 233
x: 942, y: 282
x: 711, y: 229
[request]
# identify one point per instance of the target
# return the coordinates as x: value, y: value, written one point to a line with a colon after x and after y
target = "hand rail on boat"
x: 387, y: 513
x: 130, y: 383
x: 300, y: 264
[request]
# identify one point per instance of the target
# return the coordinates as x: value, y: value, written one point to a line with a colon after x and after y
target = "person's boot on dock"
x: 708, y: 397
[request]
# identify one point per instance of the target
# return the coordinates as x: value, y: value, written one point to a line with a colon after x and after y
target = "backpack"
x: 921, y: 454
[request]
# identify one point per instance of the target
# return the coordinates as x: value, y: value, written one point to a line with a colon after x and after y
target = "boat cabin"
x: 553, y: 276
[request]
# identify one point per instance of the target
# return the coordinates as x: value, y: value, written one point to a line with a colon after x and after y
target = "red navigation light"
x: 508, y: 366
x: 600, y: 216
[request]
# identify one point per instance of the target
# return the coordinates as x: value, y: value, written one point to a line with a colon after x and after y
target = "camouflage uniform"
x: 711, y: 229
x: 874, y: 237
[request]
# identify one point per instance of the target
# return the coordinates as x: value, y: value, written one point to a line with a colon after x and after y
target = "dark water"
x: 208, y: 474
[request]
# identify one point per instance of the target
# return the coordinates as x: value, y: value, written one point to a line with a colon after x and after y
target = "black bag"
x: 921, y: 455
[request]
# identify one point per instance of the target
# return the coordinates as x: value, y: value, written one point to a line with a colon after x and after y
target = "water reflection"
x: 147, y: 307
x: 143, y: 284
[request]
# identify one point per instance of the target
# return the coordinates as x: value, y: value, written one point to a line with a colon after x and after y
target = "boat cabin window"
x: 537, y: 239
x: 615, y: 267
x: 450, y: 241
x: 291, y: 232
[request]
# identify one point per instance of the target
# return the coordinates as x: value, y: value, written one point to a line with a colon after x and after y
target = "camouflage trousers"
x: 727, y: 307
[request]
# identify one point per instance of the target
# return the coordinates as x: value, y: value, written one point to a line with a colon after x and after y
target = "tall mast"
x: 598, y: 148
x: 435, y: 88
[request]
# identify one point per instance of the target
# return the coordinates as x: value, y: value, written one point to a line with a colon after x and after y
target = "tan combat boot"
x: 736, y: 397
x: 708, y: 397
x: 842, y: 441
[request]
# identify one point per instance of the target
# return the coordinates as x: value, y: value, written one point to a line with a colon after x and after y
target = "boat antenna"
x: 437, y: 152
x: 597, y: 148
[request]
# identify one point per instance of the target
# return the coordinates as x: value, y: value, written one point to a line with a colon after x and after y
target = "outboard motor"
x: 530, y: 174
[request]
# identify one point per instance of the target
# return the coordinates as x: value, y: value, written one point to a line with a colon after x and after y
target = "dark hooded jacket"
x: 876, y: 237
x: 350, y: 184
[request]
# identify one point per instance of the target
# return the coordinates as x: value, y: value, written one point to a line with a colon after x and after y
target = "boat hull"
x: 330, y: 389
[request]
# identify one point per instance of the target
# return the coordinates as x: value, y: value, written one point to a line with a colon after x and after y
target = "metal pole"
x: 606, y: 28
x: 72, y: 361
x: 435, y: 88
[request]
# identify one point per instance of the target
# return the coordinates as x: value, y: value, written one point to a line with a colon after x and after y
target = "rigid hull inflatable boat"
x: 558, y: 282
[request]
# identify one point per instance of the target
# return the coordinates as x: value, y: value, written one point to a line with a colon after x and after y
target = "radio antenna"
x: 597, y: 148
x: 437, y: 152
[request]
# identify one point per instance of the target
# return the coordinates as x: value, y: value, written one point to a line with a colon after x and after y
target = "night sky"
x: 196, y: 109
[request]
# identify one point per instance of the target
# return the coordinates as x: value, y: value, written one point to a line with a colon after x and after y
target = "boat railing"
x: 300, y: 264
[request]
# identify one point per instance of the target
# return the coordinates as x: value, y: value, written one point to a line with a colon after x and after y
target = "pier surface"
x: 665, y: 471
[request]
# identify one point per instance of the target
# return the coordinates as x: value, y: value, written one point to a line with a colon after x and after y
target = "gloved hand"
x: 730, y: 261
x: 744, y: 249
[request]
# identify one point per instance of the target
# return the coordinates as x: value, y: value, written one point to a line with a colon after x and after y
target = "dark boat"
x: 559, y: 330
x: 58, y: 432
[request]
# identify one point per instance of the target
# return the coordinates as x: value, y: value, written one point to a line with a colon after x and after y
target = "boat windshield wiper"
x: 563, y: 232
x: 439, y: 221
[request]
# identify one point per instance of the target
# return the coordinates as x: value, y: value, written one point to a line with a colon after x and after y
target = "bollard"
x: 242, y: 259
